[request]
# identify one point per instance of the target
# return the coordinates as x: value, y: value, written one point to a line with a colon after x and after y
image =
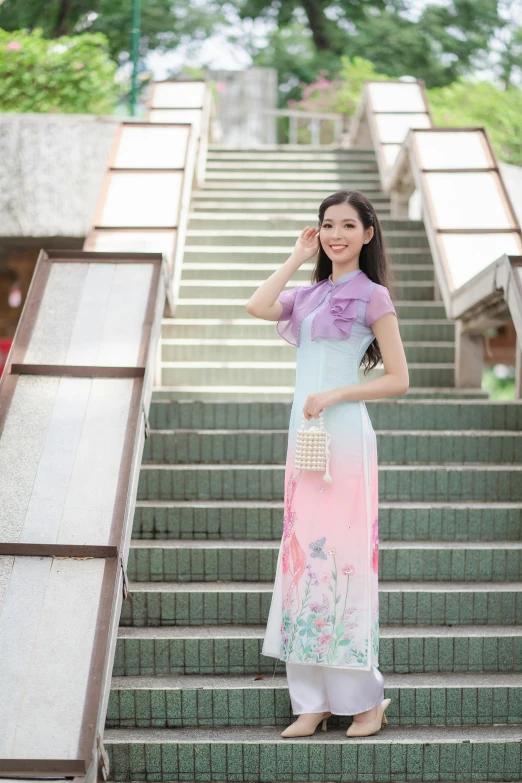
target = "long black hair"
x: 373, y: 259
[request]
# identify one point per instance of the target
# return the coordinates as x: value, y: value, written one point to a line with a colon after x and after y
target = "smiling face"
x: 343, y: 235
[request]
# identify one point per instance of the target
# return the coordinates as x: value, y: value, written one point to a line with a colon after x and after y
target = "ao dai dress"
x: 325, y: 604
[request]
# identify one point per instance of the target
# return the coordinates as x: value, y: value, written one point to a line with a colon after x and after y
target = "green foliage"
x: 444, y: 43
x: 338, y: 95
x: 164, y: 24
x: 68, y: 74
x: 499, y: 388
x: 481, y: 104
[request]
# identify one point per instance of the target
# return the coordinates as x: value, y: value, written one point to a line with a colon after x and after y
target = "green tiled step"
x: 259, y: 754
x: 256, y: 520
x: 253, y: 561
x: 265, y: 220
x: 225, y: 181
x: 270, y: 394
x: 394, y: 446
x: 246, y: 270
x: 282, y: 373
x: 246, y: 238
x: 416, y: 291
x: 294, y: 166
x: 403, y: 414
x: 234, y: 307
x: 261, y: 254
x: 275, y: 176
x: 288, y: 152
x: 236, y: 649
x: 265, y: 482
x: 154, y: 604
x: 254, y: 329
x: 289, y: 193
x: 275, y: 349
x: 189, y: 701
x: 275, y: 204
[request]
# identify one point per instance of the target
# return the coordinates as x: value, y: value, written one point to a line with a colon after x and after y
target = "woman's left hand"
x: 317, y: 402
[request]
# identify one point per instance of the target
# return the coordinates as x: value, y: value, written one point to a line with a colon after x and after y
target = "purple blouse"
x: 336, y: 319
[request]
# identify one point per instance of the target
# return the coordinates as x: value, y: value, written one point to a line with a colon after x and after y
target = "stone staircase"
x: 192, y: 698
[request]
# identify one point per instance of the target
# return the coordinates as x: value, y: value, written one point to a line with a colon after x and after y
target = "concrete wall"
x: 51, y: 170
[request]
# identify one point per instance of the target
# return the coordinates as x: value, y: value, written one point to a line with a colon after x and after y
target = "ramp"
x: 74, y: 399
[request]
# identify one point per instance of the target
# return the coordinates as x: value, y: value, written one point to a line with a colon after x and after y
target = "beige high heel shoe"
x: 306, y: 724
x: 364, y: 728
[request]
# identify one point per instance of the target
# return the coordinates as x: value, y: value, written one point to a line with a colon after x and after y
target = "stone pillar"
x: 469, y: 358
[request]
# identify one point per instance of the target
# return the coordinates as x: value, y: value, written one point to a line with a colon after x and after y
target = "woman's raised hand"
x: 307, y: 244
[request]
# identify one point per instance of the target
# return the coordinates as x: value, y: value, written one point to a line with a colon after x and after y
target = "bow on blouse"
x: 336, y: 319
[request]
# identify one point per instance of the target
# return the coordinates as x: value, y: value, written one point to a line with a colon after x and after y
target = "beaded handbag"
x: 313, y: 448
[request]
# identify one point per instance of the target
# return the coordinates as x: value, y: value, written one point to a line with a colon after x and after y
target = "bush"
x: 67, y: 74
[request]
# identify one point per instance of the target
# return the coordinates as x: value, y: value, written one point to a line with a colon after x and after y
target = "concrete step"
x: 254, y: 561
x: 258, y: 237
x: 247, y: 270
x: 236, y: 649
x: 414, y: 291
x: 247, y: 446
x: 260, y: 754
x: 263, y: 520
x: 282, y: 373
x: 385, y: 414
x: 238, y: 393
x: 242, y: 350
x: 256, y: 329
x: 183, y: 701
x: 450, y: 482
x: 154, y: 604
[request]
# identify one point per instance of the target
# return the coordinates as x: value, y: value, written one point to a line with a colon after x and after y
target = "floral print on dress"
x: 322, y: 630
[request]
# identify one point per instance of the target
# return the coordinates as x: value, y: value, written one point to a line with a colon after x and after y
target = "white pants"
x: 331, y: 689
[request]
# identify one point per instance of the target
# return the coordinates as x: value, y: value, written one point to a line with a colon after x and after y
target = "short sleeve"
x: 379, y: 304
x: 287, y: 299
x: 286, y: 322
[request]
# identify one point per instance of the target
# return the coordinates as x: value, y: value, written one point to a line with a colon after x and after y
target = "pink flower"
x: 220, y: 87
x: 325, y: 638
x: 319, y: 623
x: 79, y: 66
x: 348, y: 570
x: 13, y: 46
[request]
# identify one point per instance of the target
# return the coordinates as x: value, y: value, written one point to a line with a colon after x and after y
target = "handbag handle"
x: 321, y: 420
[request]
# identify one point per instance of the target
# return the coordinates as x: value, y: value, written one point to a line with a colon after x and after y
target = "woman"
x: 324, y: 617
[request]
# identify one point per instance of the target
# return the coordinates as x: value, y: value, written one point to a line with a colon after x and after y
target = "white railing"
x: 313, y: 122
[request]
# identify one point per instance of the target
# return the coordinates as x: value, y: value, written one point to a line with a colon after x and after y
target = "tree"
x: 445, y: 42
x: 164, y: 24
